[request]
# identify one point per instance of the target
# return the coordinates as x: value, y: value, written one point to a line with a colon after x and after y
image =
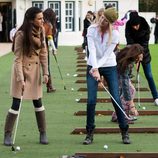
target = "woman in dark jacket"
x: 87, y: 22
x: 138, y: 31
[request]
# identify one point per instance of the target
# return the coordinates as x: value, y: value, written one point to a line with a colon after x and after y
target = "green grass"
x: 60, y: 108
x: 154, y: 63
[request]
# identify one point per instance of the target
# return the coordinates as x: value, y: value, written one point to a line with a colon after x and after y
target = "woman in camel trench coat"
x: 28, y: 68
x: 30, y: 53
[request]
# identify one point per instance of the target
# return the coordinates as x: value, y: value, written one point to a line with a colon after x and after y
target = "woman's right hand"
x: 23, y: 85
x: 95, y: 73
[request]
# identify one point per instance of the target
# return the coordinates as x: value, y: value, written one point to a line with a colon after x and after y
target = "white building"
x: 71, y: 14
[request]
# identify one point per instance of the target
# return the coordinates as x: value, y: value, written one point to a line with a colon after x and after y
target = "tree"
x: 148, y: 6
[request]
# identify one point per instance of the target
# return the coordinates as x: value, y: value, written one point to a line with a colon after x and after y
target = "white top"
x: 101, y: 53
x: 12, y: 33
x: 1, y: 20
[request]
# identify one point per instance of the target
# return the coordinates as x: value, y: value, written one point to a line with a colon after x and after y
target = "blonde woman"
x: 102, y: 62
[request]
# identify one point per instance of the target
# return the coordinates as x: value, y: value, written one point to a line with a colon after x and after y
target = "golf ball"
x: 77, y: 100
x: 68, y: 74
x: 75, y: 75
x: 18, y: 148
x: 105, y: 147
x: 72, y: 89
x: 143, y: 107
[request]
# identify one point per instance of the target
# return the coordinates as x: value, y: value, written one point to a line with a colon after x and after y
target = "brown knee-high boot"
x: 9, y: 124
x: 50, y: 87
x: 41, y: 122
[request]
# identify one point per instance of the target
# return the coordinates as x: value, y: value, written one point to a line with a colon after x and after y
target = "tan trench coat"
x: 28, y: 69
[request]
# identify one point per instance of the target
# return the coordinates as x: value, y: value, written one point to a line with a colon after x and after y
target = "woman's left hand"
x: 45, y: 79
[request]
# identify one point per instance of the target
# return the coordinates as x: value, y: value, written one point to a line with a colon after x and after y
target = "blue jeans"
x: 110, y: 74
x: 149, y: 77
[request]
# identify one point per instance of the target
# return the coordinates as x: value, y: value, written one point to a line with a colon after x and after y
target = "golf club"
x: 129, y: 118
x: 138, y: 84
x: 59, y: 69
x: 17, y: 122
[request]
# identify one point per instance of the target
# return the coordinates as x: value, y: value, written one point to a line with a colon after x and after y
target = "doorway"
x: 6, y: 11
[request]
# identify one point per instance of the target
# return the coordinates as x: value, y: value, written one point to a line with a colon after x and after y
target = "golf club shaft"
x: 137, y: 69
x: 116, y: 102
x: 17, y: 121
x: 139, y: 91
x: 138, y: 83
x: 59, y: 70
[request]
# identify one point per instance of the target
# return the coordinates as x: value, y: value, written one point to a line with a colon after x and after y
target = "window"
x: 69, y: 16
x: 113, y: 3
x: 38, y: 4
x: 56, y: 6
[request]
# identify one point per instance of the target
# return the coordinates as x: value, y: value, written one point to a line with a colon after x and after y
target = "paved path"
x: 5, y: 48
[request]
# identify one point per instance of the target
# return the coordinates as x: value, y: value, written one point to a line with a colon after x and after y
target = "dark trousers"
x: 110, y: 74
x: 149, y: 77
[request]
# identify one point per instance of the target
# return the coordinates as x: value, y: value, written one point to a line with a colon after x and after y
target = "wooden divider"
x: 102, y: 89
x: 116, y: 155
x: 109, y: 112
x: 117, y: 130
x: 108, y: 100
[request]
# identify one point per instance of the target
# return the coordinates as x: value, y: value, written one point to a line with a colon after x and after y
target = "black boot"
x: 41, y: 122
x: 89, y: 137
x: 9, y: 124
x: 125, y: 135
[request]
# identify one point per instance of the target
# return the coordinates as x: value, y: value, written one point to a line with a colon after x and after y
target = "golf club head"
x: 133, y: 118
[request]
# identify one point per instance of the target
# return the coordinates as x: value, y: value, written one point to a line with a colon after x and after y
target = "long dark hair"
x: 127, y: 56
x: 27, y: 27
x: 50, y: 16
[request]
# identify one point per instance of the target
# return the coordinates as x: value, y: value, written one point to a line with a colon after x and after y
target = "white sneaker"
x: 156, y: 101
